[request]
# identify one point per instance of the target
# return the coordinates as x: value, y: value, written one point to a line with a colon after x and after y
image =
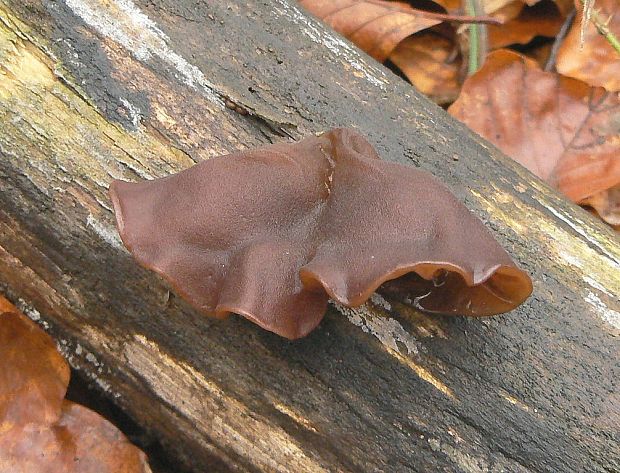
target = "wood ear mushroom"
x: 273, y: 233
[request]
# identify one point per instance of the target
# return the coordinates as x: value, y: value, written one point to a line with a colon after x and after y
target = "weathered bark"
x: 93, y: 90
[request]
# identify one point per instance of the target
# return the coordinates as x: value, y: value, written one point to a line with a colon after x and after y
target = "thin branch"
x: 602, y: 26
x: 588, y: 5
x: 550, y: 65
x: 603, y: 29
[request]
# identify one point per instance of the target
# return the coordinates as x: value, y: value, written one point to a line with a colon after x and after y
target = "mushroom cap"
x: 273, y: 233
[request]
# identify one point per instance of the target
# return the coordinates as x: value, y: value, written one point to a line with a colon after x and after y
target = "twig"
x: 589, y: 14
x: 588, y: 5
x: 550, y: 65
x: 603, y: 29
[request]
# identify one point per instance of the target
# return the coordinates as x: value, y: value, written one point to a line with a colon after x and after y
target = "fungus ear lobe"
x: 116, y: 204
x: 256, y: 233
x: 503, y: 291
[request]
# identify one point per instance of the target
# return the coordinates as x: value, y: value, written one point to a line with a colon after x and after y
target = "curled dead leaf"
x: 29, y: 391
x: 540, y: 53
x: 542, y: 19
x: 487, y: 6
x: 607, y: 205
x: 560, y: 128
x: 565, y: 6
x: 376, y: 26
x: 431, y: 63
x: 452, y: 6
x: 509, y: 11
x: 503, y: 10
x: 597, y: 63
x: 40, y: 431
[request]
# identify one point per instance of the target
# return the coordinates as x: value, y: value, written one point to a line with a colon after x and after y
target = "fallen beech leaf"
x: 606, y: 204
x: 502, y: 9
x: 542, y: 19
x: 487, y: 6
x: 540, y: 53
x: 565, y: 6
x: 298, y: 223
x: 29, y: 391
x: 376, y: 26
x: 6, y: 306
x: 39, y: 430
x: 453, y: 6
x: 492, y: 6
x: 597, y: 63
x: 508, y: 12
x: 561, y: 129
x: 428, y: 60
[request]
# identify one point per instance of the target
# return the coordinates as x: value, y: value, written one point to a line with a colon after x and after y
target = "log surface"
x: 92, y: 90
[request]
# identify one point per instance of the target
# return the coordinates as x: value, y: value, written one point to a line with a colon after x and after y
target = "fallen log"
x: 95, y: 90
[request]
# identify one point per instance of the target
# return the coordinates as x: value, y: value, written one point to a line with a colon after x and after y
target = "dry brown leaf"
x: 39, y: 430
x: 487, y: 6
x: 540, y: 53
x: 34, y: 376
x: 491, y: 6
x: 498, y: 8
x: 428, y: 60
x: 452, y: 6
x: 597, y: 63
x: 561, y: 129
x: 542, y: 19
x: 508, y: 12
x: 6, y: 306
x: 565, y: 6
x: 607, y: 205
x: 376, y: 26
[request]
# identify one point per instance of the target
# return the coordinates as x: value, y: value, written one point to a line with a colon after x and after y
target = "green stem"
x: 600, y: 25
x: 477, y: 38
x: 607, y: 33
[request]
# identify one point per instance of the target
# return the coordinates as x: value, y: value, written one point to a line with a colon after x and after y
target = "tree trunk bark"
x: 93, y: 90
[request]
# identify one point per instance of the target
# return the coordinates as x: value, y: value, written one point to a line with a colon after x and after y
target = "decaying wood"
x: 92, y: 90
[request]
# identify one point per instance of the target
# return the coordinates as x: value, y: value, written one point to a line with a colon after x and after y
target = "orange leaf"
x: 508, y: 12
x: 39, y: 430
x: 376, y: 26
x: 540, y: 53
x: 452, y: 6
x: 425, y: 58
x: 543, y: 19
x: 492, y: 6
x: 561, y: 129
x: 499, y: 8
x: 34, y: 376
x: 565, y: 6
x: 487, y: 6
x: 607, y: 205
x: 597, y: 63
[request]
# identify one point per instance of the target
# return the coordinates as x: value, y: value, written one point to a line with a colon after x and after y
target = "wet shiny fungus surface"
x: 273, y: 233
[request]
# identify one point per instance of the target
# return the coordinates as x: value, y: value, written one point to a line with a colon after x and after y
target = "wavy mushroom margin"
x: 182, y: 228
